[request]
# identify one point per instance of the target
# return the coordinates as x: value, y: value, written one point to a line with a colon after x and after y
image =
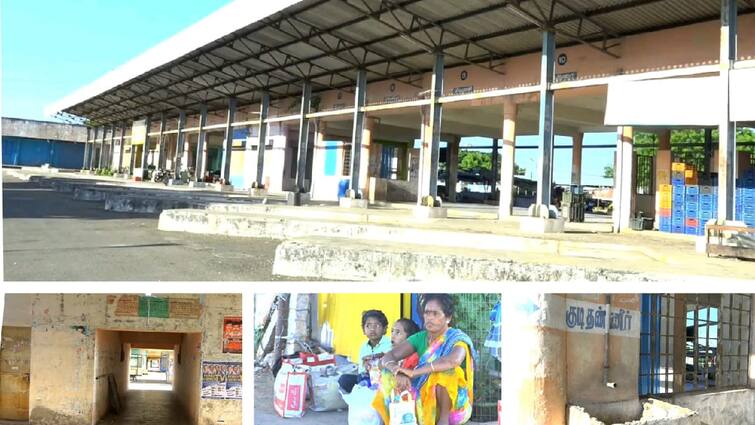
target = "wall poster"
x: 232, y: 334
x: 221, y: 380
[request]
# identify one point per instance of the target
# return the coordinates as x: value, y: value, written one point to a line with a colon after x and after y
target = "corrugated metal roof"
x: 326, y: 41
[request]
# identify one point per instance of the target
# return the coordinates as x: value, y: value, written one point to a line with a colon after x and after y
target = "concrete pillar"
x: 301, y: 161
x: 452, y: 165
x: 262, y: 133
x: 133, y: 152
x: 662, y: 170
x: 85, y: 162
x: 111, y: 147
x: 225, y: 169
x: 101, y: 156
x: 545, y: 126
x: 122, y: 146
x: 494, y: 166
x: 180, y: 136
x: 145, y: 148
x: 708, y: 136
x: 506, y: 201
x: 534, y: 383
x: 624, y: 181
x: 727, y: 128
x: 366, y: 152
x: 428, y: 182
x: 576, y: 159
x: 359, y: 162
x: 161, y: 140
x: 201, y: 156
x: 93, y: 150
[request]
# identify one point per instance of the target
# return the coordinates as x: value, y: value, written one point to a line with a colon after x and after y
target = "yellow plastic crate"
x: 678, y: 166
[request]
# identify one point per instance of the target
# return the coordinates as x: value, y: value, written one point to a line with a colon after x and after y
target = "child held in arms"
x: 403, y: 329
x: 374, y: 327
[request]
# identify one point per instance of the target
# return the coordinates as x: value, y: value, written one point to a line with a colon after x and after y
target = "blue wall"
x: 35, y: 152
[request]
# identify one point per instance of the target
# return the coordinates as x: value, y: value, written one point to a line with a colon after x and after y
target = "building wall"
x: 108, y: 351
x: 187, y: 379
x: 35, y: 152
x: 734, y: 407
x: 218, y: 306
x: 343, y: 313
x: 44, y: 130
x: 15, y: 356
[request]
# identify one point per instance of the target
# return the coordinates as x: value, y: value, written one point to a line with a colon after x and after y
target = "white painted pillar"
x: 623, y: 190
x: 576, y: 159
x: 727, y: 128
x: 662, y: 171
x: 366, y: 149
x: 506, y: 200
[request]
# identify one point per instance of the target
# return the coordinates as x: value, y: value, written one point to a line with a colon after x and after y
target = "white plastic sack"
x: 402, y: 410
x: 290, y: 391
x: 325, y: 394
x: 360, y: 406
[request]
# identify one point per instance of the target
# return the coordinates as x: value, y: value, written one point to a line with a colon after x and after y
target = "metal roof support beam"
x: 431, y: 141
x: 727, y: 133
x: 122, y: 147
x: 145, y: 147
x: 545, y: 124
x: 225, y: 170
x: 262, y: 139
x: 301, y: 161
x: 201, y: 154
x: 161, y: 141
x: 180, y: 136
x: 358, y: 130
x: 86, y: 148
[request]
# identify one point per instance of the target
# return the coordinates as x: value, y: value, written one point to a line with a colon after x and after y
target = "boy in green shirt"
x: 374, y: 326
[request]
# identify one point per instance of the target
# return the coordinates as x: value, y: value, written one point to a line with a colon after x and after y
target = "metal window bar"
x: 346, y: 170
x: 716, y: 342
x: 645, y: 171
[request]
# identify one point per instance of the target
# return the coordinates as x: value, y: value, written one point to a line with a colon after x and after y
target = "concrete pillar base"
x: 541, y: 225
x: 353, y: 203
x: 219, y: 187
x: 542, y: 211
x: 176, y: 182
x: 258, y: 191
x: 197, y: 185
x: 296, y: 198
x: 120, y: 176
x: 424, y: 212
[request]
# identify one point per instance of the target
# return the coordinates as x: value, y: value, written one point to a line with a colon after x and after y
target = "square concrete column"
x: 92, y: 150
x: 301, y: 160
x: 506, y: 201
x: 624, y: 180
x: 752, y: 345
x: 122, y: 146
x: 145, y: 147
x: 662, y: 170
x: 84, y: 162
x: 101, y: 156
x: 494, y: 166
x: 432, y: 117
x: 367, y: 155
x: 161, y: 143
x: 111, y: 147
x: 180, y: 140
x: 262, y: 140
x: 546, y: 116
x: 576, y: 159
x: 726, y: 128
x: 201, y: 155
x: 452, y: 166
x: 225, y: 168
x: 358, y: 160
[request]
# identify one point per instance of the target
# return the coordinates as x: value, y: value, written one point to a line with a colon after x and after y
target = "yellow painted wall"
x: 344, y: 314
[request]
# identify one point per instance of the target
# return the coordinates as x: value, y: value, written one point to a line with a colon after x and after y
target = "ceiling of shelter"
x: 327, y: 41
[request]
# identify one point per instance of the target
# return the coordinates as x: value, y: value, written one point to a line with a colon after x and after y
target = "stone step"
x: 327, y: 259
x: 276, y: 225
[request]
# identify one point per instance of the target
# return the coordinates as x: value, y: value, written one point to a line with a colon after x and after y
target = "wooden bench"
x: 716, y: 231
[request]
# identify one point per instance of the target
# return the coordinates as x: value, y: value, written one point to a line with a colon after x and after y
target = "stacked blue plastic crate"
x: 745, y: 206
x: 692, y: 210
x: 677, y: 208
x: 708, y: 202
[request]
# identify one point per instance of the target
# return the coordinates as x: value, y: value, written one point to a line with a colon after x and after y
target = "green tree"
x: 608, y: 172
x: 519, y: 171
x: 474, y: 160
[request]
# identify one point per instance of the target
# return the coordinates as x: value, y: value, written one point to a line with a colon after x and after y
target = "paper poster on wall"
x: 221, y: 380
x: 232, y: 335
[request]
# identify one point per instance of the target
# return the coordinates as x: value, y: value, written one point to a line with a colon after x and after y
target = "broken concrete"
x: 655, y: 412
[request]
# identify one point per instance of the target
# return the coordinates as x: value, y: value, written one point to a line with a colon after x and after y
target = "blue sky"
x: 51, y: 48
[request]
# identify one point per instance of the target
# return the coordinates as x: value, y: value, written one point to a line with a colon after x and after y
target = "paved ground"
x: 144, y: 407
x: 49, y: 236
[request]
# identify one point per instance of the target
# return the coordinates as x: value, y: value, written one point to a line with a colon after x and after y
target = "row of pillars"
x: 431, y: 130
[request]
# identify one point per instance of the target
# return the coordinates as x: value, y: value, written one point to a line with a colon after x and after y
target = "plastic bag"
x: 360, y: 406
x: 290, y: 391
x: 403, y: 410
x: 325, y: 394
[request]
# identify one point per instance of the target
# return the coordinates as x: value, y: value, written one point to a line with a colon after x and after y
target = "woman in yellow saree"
x: 443, y: 380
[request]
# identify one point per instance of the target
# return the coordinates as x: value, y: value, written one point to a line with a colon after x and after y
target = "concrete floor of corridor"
x: 147, y: 407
